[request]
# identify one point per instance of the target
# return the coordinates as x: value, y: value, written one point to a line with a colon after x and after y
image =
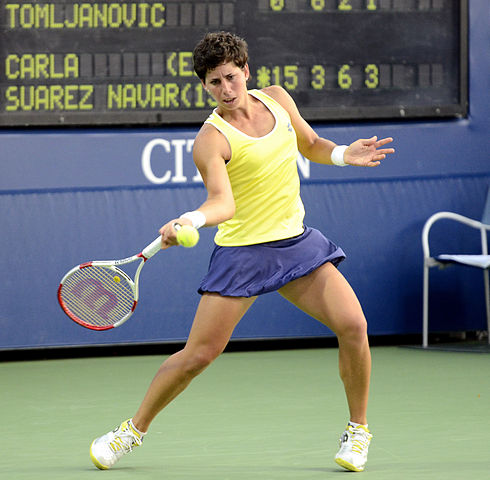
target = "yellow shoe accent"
x: 95, y: 461
x: 347, y: 465
x: 354, y: 445
x: 105, y: 451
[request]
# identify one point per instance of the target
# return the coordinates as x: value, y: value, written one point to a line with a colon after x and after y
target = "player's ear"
x: 204, y: 85
x: 246, y: 71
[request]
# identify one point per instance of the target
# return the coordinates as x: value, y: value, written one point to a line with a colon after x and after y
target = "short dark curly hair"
x: 217, y: 48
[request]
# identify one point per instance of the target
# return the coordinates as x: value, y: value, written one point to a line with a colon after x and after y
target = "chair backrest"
x: 486, y: 211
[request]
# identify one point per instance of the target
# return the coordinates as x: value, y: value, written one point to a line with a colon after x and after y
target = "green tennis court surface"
x: 253, y: 415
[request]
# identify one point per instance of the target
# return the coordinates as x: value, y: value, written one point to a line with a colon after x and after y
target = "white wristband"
x: 337, y: 155
x: 197, y: 218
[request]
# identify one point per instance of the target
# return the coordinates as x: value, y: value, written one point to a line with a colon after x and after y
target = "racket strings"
x: 97, y: 295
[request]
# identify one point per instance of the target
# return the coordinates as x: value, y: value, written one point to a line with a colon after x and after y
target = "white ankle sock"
x: 136, y: 430
x: 355, y: 425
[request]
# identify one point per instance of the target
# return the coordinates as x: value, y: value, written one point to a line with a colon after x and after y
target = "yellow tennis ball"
x: 187, y: 236
x: 117, y: 279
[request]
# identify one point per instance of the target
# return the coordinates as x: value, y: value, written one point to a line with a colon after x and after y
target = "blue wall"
x: 68, y: 196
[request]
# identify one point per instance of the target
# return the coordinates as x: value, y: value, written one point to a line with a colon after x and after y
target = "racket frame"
x: 143, y: 256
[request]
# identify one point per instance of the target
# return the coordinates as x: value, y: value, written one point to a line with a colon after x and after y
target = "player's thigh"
x: 326, y: 295
x: 216, y: 318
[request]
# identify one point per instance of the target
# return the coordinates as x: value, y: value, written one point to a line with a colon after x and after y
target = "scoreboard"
x: 103, y: 63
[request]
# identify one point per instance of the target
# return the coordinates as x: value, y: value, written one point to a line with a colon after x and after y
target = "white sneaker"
x: 354, y: 445
x: 105, y: 451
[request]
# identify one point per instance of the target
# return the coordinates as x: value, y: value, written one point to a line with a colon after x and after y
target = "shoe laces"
x: 124, y: 440
x: 360, y: 439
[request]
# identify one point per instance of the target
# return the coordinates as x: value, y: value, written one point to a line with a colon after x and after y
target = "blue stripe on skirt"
x: 251, y: 270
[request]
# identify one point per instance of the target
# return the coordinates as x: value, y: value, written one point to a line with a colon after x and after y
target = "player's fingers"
x: 169, y: 235
x: 168, y: 229
x: 385, y: 151
x: 165, y: 246
x: 369, y: 141
x: 383, y: 141
x: 169, y: 242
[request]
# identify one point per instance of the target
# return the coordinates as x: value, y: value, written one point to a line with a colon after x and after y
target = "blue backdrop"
x: 68, y: 196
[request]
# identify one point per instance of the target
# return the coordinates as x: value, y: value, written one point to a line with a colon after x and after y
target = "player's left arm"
x: 362, y: 152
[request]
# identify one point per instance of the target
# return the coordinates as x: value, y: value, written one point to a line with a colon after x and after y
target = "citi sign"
x: 170, y: 161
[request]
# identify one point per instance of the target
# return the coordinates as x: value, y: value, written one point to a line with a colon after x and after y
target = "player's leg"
x: 214, y: 322
x: 327, y: 296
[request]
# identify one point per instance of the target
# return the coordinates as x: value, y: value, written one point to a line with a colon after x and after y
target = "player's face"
x: 227, y: 84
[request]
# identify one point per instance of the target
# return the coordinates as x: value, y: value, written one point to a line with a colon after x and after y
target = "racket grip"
x: 152, y: 248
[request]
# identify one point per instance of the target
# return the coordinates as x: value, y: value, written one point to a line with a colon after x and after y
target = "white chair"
x: 480, y: 261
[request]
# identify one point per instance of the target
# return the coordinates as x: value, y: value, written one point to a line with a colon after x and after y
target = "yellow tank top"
x: 264, y: 179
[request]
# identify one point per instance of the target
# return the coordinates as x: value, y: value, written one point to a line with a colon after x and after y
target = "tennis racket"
x: 99, y: 295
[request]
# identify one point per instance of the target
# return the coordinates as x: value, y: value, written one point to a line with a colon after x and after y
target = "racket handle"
x: 153, y: 248
x: 156, y: 245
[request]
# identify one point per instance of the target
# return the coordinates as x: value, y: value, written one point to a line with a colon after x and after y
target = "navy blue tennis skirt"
x: 252, y: 270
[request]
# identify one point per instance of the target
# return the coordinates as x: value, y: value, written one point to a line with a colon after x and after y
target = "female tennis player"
x: 246, y: 153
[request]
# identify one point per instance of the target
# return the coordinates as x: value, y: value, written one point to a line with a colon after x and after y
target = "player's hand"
x: 367, y: 152
x: 169, y: 234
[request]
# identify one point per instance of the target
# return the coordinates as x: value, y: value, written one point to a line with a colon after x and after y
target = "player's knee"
x: 353, y: 328
x: 200, y: 359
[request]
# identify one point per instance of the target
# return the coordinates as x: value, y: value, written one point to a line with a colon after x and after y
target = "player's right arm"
x: 211, y: 151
